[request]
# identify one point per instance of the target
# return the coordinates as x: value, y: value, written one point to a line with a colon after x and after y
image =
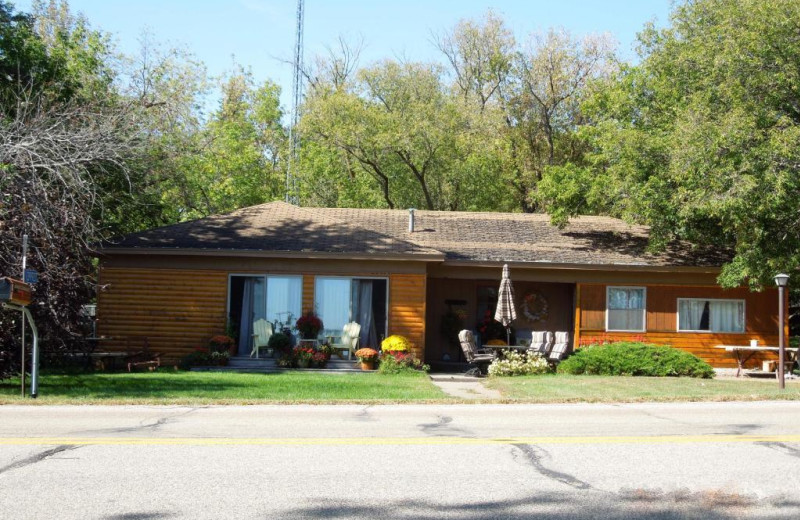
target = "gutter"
x: 584, y: 267
x: 255, y: 253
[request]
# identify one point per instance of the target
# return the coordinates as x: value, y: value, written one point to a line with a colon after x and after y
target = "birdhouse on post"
x: 15, y: 292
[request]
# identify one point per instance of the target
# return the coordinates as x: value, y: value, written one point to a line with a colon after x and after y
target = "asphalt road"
x: 696, y: 460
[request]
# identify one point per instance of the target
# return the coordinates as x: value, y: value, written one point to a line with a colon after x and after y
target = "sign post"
x: 22, y: 356
x: 16, y: 294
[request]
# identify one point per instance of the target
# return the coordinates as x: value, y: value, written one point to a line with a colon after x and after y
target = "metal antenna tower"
x: 292, y: 195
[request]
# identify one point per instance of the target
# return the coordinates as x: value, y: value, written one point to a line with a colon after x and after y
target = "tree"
x: 530, y: 96
x: 240, y: 153
x: 62, y: 134
x: 699, y: 140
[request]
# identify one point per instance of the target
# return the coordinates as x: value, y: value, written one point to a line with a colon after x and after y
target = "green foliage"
x: 514, y: 363
x: 280, y: 342
x: 401, y: 363
x: 699, y: 140
x: 634, y: 359
x: 197, y: 358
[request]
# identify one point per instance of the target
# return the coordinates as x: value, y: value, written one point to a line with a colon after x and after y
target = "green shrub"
x: 198, y: 358
x: 515, y: 363
x: 400, y: 362
x: 280, y: 342
x: 629, y: 358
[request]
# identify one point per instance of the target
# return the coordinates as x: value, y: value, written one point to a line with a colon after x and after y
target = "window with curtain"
x: 710, y: 315
x: 284, y: 298
x: 332, y: 302
x: 625, y: 309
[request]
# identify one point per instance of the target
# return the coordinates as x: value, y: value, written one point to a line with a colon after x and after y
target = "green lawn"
x: 198, y: 388
x: 225, y: 388
x: 606, y: 389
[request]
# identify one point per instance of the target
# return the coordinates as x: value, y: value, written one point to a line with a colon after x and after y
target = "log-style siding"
x: 176, y: 310
x: 407, y: 309
x: 761, y: 311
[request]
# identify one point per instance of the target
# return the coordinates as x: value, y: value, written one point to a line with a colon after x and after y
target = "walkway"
x: 464, y: 387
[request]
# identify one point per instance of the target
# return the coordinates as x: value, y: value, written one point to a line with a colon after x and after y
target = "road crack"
x: 534, y: 458
x: 781, y: 447
x: 38, y: 457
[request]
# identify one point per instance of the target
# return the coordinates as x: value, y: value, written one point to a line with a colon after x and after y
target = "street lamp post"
x: 781, y: 280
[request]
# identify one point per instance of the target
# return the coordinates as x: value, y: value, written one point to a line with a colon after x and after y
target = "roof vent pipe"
x: 411, y: 220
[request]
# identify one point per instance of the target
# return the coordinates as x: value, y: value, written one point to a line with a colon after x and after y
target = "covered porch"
x: 467, y: 300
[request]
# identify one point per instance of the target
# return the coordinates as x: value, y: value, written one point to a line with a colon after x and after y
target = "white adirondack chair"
x: 348, y: 341
x: 262, y: 331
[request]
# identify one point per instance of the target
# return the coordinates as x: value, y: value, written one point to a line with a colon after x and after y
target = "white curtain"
x: 284, y: 298
x: 625, y: 309
x: 332, y: 299
x: 727, y: 316
x: 691, y: 314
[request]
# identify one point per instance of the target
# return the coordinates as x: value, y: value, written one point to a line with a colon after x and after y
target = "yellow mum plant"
x: 395, y: 343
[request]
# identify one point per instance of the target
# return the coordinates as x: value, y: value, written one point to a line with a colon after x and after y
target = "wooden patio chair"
x: 560, y: 348
x: 481, y: 360
x: 348, y: 341
x: 541, y: 342
x: 262, y: 331
x: 143, y: 358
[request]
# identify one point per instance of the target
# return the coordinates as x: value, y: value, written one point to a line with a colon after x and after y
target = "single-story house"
x: 420, y: 274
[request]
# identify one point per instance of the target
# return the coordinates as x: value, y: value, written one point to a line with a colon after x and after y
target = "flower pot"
x: 303, y: 363
x: 367, y: 365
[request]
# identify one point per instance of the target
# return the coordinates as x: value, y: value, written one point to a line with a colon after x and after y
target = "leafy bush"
x: 628, y: 358
x: 396, y: 343
x: 198, y: 358
x: 396, y: 363
x: 514, y: 363
x: 280, y: 342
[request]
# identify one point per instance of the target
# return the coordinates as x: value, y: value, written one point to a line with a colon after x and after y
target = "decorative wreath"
x: 534, y: 306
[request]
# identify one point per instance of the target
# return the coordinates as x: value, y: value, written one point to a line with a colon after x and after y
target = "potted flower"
x: 368, y: 357
x: 303, y: 356
x: 223, y: 343
x: 395, y: 343
x: 309, y: 325
x: 319, y: 360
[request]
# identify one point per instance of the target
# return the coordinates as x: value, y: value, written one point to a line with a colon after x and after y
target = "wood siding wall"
x: 176, y: 310
x: 407, y: 309
x: 761, y: 320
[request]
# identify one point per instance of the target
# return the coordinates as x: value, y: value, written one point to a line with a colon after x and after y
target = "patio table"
x: 743, y: 353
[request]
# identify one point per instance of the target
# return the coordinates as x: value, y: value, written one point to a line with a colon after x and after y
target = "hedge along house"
x: 422, y: 275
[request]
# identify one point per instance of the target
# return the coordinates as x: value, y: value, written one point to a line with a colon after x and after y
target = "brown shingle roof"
x: 458, y: 236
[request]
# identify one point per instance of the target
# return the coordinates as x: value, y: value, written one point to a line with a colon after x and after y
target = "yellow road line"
x: 381, y: 441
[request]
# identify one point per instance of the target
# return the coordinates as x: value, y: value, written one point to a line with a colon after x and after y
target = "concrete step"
x: 247, y: 362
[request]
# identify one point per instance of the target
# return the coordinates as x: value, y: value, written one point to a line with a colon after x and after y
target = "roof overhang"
x: 254, y: 253
x: 583, y: 267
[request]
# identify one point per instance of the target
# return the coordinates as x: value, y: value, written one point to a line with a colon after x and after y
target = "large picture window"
x: 274, y: 298
x: 699, y: 315
x: 625, y: 309
x: 339, y: 300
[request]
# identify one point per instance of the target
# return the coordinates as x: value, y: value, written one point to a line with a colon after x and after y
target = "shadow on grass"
x: 224, y: 385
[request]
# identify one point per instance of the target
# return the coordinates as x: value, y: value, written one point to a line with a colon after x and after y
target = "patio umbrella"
x: 506, y: 312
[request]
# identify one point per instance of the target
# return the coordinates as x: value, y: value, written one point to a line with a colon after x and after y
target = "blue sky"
x: 261, y: 32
